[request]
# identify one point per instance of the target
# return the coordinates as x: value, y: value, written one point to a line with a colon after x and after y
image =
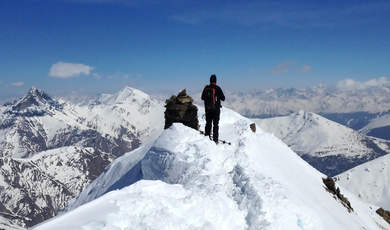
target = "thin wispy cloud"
x: 97, y: 76
x: 97, y: 1
x: 122, y: 2
x: 286, y: 14
x: 69, y: 70
x: 283, y: 67
x: 306, y: 68
x: 17, y: 84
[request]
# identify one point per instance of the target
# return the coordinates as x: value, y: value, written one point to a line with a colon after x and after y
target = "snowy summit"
x: 189, y: 182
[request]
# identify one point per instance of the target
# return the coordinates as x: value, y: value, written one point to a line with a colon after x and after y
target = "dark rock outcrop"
x: 253, y: 127
x: 331, y: 187
x: 384, y: 214
x: 180, y: 109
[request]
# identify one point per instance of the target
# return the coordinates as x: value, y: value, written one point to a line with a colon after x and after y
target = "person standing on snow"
x: 212, y: 96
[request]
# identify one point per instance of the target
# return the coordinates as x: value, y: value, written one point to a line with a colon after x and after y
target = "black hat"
x: 213, y: 78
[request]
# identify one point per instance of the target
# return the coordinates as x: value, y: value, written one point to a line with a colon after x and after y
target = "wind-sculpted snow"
x: 189, y: 182
x: 116, y: 176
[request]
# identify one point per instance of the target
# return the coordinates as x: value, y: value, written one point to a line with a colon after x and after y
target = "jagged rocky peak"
x: 34, y: 98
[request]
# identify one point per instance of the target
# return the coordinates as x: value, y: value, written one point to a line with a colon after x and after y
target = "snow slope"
x: 369, y: 181
x: 190, y: 182
x: 328, y: 146
x: 108, y: 180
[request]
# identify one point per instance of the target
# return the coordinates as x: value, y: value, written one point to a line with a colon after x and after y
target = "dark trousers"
x: 212, y: 117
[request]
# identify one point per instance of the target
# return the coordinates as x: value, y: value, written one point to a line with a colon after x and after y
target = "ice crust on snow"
x: 191, y: 183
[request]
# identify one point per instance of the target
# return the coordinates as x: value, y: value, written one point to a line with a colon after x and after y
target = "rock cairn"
x: 180, y: 109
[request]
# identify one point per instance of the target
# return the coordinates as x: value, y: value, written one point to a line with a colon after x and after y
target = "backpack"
x: 210, y: 98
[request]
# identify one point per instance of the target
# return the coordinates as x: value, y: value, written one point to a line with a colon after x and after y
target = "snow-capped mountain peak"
x: 129, y: 92
x: 34, y: 99
x: 75, y: 142
x: 328, y: 146
x: 126, y: 95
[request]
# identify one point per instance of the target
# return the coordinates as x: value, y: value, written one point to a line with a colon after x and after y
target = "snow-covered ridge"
x: 330, y: 147
x: 369, y: 181
x: 191, y: 183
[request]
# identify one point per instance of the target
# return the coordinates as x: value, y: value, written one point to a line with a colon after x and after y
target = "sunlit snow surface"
x: 192, y: 183
x: 370, y: 181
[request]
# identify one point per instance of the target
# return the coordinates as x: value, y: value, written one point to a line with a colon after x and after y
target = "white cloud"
x: 350, y: 84
x: 68, y: 70
x: 306, y: 68
x: 17, y: 84
x: 283, y: 67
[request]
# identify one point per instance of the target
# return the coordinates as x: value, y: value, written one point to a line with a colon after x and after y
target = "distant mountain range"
x: 365, y: 108
x: 328, y: 146
x: 320, y: 99
x: 51, y: 149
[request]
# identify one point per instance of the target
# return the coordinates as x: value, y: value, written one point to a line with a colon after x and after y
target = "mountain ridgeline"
x: 320, y: 99
x: 354, y: 107
x: 328, y: 146
x: 51, y: 149
x: 57, y: 155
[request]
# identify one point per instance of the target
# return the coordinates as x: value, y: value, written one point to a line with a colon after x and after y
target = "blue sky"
x: 92, y: 46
